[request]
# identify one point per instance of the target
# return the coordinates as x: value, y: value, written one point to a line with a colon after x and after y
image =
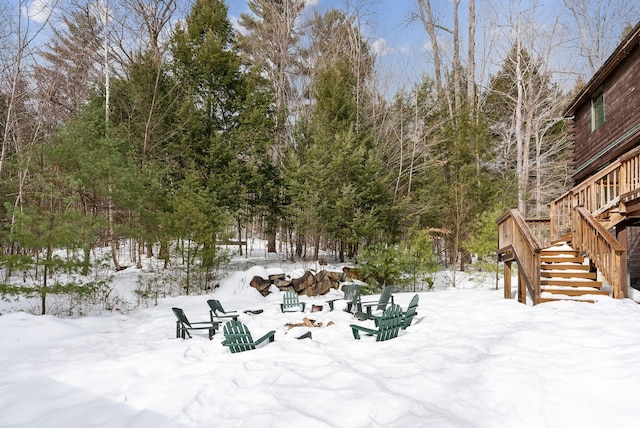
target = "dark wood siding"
x: 596, y: 149
x: 633, y: 255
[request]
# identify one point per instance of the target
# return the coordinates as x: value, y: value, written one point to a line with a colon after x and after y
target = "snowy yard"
x: 470, y: 359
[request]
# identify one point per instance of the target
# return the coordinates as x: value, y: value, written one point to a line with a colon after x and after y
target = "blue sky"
x: 400, y: 45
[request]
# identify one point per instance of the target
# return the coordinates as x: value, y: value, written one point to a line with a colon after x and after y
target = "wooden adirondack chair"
x: 412, y: 311
x: 351, y: 296
x: 217, y: 312
x: 291, y: 301
x: 238, y: 337
x: 183, y: 325
x: 389, y: 324
x: 407, y: 316
x: 380, y: 305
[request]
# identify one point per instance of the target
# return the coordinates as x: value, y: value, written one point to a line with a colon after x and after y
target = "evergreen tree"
x: 341, y: 165
x: 270, y: 43
x: 145, y: 115
x: 231, y: 119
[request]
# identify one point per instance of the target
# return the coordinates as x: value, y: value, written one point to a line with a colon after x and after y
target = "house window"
x: 597, y: 110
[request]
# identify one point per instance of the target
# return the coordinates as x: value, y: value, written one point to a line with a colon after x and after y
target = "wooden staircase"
x: 565, y: 275
x: 583, y: 216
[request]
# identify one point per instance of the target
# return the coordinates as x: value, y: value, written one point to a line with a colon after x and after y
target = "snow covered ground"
x: 470, y: 359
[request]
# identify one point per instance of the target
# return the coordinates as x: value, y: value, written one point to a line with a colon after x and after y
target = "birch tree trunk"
x: 426, y: 16
x: 471, y: 58
x: 518, y: 113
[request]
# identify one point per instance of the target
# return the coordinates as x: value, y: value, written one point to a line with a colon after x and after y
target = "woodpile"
x: 306, y: 322
x: 310, y: 284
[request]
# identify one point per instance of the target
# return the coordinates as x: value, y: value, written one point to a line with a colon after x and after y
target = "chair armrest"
x: 225, y: 317
x: 269, y: 336
x: 214, y: 324
x: 355, y: 329
x: 369, y: 303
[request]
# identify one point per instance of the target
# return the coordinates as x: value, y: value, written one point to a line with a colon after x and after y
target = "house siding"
x: 621, y: 130
x: 633, y: 256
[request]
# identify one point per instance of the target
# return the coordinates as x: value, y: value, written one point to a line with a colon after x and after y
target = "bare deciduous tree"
x: 272, y: 43
x: 530, y: 103
x: 599, y: 24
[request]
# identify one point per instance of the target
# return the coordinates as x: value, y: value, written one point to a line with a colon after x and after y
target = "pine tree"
x: 270, y: 44
x: 230, y: 118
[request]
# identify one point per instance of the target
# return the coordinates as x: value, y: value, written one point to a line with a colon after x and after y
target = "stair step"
x: 561, y: 259
x: 560, y: 299
x: 573, y: 291
x: 557, y: 266
x: 568, y: 274
x: 566, y: 282
x: 573, y: 253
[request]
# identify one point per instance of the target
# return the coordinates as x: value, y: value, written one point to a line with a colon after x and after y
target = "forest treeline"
x: 178, y: 132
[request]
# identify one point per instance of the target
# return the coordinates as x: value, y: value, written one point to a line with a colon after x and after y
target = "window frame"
x: 597, y: 109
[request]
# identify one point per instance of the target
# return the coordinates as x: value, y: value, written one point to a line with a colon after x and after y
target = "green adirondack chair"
x: 380, y: 305
x: 412, y: 311
x: 238, y: 337
x: 407, y: 316
x: 291, y: 301
x: 351, y: 296
x: 217, y: 312
x: 389, y: 324
x: 183, y: 325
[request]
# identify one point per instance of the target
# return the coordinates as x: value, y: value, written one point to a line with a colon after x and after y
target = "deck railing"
x: 514, y: 235
x: 599, y: 193
x: 560, y: 213
x: 630, y: 175
x: 609, y: 256
x: 541, y: 229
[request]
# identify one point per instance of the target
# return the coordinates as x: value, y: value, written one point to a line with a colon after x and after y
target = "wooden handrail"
x: 597, y: 194
x: 514, y: 234
x: 609, y: 256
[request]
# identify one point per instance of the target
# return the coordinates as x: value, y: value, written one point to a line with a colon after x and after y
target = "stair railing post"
x: 507, y: 280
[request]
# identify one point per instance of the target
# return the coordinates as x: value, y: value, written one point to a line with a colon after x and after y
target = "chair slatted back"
x: 390, y: 323
x: 237, y: 337
x: 352, y: 296
x: 215, y: 306
x: 351, y: 291
x: 217, y: 311
x: 411, y: 312
x: 384, y: 297
x: 182, y: 318
x: 290, y: 300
